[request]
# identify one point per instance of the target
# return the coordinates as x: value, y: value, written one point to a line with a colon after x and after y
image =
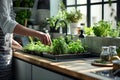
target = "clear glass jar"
x: 113, y: 52
x: 105, y: 55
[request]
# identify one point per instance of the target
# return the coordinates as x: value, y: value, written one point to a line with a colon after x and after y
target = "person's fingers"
x: 48, y: 39
x: 45, y: 39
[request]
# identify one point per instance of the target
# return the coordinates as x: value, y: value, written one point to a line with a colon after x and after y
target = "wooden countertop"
x: 79, y: 68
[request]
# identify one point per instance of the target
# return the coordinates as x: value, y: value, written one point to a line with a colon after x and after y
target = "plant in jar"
x: 105, y: 55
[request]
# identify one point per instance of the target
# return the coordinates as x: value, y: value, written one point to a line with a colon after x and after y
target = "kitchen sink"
x: 113, y: 74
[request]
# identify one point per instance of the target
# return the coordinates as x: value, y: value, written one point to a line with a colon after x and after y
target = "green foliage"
x: 88, y: 30
x: 36, y: 46
x: 74, y: 16
x: 118, y: 27
x: 59, y: 46
x: 23, y: 3
x: 118, y: 51
x: 21, y: 15
x: 102, y: 28
x: 114, y: 33
x: 61, y: 15
x: 51, y: 21
x: 75, y: 47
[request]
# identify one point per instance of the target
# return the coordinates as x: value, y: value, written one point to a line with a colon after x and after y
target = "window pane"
x: 111, y: 0
x: 96, y: 13
x: 83, y: 10
x: 70, y: 9
x: 94, y: 1
x: 110, y: 13
x: 81, y: 1
x: 70, y: 2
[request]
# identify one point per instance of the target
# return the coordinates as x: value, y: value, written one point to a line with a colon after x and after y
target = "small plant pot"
x: 74, y: 28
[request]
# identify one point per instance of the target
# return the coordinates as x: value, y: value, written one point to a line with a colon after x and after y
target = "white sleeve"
x: 6, y: 23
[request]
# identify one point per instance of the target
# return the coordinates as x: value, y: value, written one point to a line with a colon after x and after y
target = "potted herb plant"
x: 74, y: 18
x: 102, y: 28
x: 103, y: 35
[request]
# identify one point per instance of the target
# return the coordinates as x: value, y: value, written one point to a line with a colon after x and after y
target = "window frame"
x: 88, y: 5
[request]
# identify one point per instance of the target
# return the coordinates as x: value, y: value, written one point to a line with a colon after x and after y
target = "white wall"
x: 54, y: 5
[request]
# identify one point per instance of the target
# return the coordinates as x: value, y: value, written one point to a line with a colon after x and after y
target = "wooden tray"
x: 68, y: 56
x: 106, y: 64
x: 102, y: 64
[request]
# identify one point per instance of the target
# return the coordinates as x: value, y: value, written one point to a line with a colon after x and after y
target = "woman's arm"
x: 44, y: 38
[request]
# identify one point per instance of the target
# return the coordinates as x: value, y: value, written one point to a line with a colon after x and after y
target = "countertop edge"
x: 39, y: 61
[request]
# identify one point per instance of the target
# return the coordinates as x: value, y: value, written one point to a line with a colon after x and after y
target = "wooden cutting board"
x: 104, y: 64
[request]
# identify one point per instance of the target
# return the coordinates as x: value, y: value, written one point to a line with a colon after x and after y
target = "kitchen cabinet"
x: 42, y: 74
x: 78, y: 69
x: 22, y: 70
x: 27, y: 71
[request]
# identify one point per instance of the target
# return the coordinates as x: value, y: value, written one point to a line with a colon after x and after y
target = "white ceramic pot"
x: 74, y: 28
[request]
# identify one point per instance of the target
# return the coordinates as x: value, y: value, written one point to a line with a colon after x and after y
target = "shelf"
x: 20, y: 8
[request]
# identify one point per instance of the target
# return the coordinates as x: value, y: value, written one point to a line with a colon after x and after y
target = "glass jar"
x: 113, y: 52
x: 105, y: 55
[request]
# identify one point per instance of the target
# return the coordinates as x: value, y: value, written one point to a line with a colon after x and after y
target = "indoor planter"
x: 74, y: 18
x: 61, y: 48
x: 101, y: 34
x: 102, y: 28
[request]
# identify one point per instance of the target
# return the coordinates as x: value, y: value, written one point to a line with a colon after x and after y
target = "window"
x: 110, y: 13
x: 94, y: 1
x: 96, y: 13
x: 81, y: 1
x: 79, y: 5
x: 70, y: 2
x: 95, y: 10
x: 83, y: 10
x: 111, y: 0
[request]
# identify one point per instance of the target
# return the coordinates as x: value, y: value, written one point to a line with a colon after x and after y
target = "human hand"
x: 16, y: 45
x: 45, y: 38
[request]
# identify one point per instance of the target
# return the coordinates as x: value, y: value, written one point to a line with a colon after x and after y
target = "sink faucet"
x: 60, y: 21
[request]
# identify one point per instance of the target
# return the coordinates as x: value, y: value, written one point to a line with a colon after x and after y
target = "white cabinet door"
x: 22, y: 70
x: 26, y: 71
x: 39, y: 73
